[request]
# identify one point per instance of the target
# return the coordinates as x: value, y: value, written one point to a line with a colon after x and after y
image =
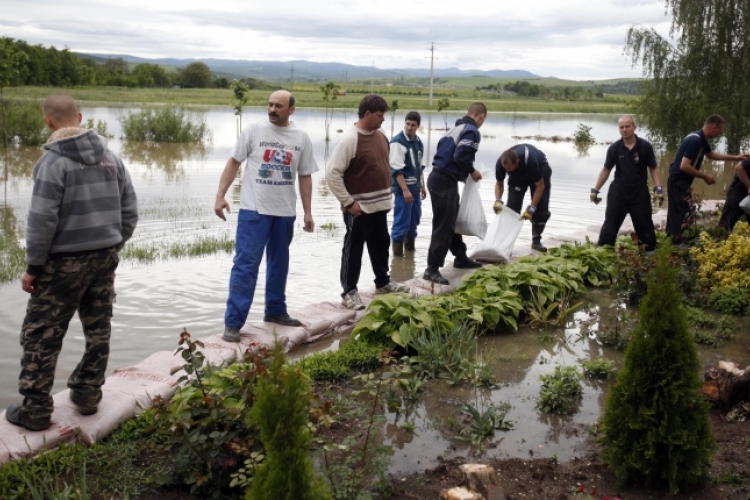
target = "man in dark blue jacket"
x: 453, y: 162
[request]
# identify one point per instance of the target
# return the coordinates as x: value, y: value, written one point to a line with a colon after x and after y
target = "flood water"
x: 176, y: 186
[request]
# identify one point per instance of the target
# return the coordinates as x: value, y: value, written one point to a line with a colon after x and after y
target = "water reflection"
x: 166, y: 157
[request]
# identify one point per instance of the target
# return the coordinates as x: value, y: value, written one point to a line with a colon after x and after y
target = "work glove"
x: 498, y: 206
x: 529, y: 213
x: 658, y: 196
x: 594, y: 196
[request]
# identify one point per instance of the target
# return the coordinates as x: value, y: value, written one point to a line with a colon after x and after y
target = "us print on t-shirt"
x: 276, y: 160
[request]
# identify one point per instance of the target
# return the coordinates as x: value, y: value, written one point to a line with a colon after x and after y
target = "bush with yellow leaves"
x: 724, y: 264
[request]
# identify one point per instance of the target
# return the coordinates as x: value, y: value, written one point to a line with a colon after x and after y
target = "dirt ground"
x: 542, y: 479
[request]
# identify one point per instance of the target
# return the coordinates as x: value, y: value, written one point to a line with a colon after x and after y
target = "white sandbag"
x: 165, y: 363
x: 471, y: 220
x: 114, y: 408
x: 21, y: 442
x: 745, y: 204
x: 4, y: 453
x: 143, y: 386
x: 497, y: 245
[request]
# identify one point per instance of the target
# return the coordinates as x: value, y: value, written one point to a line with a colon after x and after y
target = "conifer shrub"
x: 655, y: 423
x: 280, y: 412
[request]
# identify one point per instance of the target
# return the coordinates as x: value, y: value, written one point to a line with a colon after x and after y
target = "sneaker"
x: 537, y: 245
x: 351, y: 300
x: 465, y: 263
x: 434, y: 275
x: 83, y: 409
x: 231, y: 334
x: 282, y: 319
x: 392, y: 287
x: 13, y: 415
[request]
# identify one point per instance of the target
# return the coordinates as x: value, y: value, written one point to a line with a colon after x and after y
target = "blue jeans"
x: 256, y: 233
x: 406, y: 217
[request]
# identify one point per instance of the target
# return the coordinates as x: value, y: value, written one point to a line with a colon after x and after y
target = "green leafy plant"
x: 655, y: 425
x: 239, y: 91
x: 730, y: 300
x: 601, y: 368
x: 169, y: 124
x: 100, y: 127
x: 561, y: 391
x: 355, y: 354
x: 442, y: 106
x: 330, y: 92
x: 482, y: 424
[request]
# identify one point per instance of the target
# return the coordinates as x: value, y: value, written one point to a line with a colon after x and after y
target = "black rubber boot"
x: 409, y: 245
x: 398, y: 248
x: 536, y: 237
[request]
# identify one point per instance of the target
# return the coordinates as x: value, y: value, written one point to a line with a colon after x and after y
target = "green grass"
x: 12, y: 258
x: 308, y: 96
x: 145, y: 252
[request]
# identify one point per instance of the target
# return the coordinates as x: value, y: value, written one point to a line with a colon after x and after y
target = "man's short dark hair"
x: 372, y: 103
x: 413, y: 116
x: 292, y: 100
x: 477, y: 108
x: 509, y: 156
x: 715, y: 120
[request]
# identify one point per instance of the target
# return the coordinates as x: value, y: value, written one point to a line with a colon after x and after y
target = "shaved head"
x: 61, y: 110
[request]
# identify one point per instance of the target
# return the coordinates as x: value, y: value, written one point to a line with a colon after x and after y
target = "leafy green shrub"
x: 633, y: 267
x: 205, y: 426
x: 730, y: 300
x: 280, y: 412
x: 698, y: 318
x: 169, y: 124
x: 356, y: 354
x: 597, y: 264
x: 561, y: 391
x: 724, y: 264
x: 26, y: 123
x: 582, y: 135
x: 100, y: 128
x: 444, y: 351
x: 598, y: 368
x: 655, y: 424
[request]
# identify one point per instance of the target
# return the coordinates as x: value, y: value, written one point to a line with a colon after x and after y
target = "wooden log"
x: 483, y: 479
x: 460, y: 494
x: 726, y: 385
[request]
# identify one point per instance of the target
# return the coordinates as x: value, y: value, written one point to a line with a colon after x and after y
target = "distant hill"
x: 306, y: 70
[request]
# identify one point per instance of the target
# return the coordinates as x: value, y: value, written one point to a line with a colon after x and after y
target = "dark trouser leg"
x: 614, y: 216
x: 95, y: 312
x: 351, y: 254
x: 732, y: 212
x: 444, y: 197
x: 401, y: 217
x: 678, y: 192
x: 542, y: 214
x: 643, y: 222
x: 378, y: 243
x: 59, y: 289
x: 277, y: 263
x: 515, y: 197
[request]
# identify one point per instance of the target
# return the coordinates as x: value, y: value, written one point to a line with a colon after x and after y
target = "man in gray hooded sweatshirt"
x: 83, y: 210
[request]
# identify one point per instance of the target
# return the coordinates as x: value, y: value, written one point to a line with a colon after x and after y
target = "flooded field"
x: 166, y: 289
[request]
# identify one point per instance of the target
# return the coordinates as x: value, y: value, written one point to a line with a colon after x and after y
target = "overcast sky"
x: 576, y: 39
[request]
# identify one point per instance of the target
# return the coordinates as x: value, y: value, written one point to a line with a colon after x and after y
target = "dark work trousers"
x: 371, y: 229
x: 621, y: 201
x: 732, y: 212
x: 678, y: 194
x: 445, y: 200
x: 541, y: 216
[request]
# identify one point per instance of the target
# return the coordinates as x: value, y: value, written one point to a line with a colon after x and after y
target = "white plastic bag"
x: 501, y: 236
x: 745, y: 204
x: 471, y: 220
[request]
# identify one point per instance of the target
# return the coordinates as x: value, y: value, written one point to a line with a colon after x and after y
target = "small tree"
x: 11, y: 61
x: 330, y: 92
x: 393, y: 108
x: 442, y: 106
x: 280, y: 412
x: 239, y: 90
x: 655, y: 424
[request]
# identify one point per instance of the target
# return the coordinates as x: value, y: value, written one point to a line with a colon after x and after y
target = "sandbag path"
x: 130, y: 390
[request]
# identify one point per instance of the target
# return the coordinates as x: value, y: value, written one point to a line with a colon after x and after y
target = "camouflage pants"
x: 67, y: 283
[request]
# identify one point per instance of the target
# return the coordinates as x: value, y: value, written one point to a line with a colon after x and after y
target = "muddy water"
x: 176, y: 185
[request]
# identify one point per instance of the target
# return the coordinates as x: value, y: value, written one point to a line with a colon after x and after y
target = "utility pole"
x: 292, y: 77
x: 432, y: 65
x: 346, y: 80
x: 372, y: 78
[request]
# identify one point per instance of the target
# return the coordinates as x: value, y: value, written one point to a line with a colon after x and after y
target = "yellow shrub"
x: 724, y: 264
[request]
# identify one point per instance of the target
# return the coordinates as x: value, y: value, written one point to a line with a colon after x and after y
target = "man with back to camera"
x: 453, y: 163
x: 527, y: 168
x: 687, y: 166
x: 359, y: 176
x: 738, y: 190
x: 83, y: 210
x: 408, y: 184
x: 628, y: 193
x: 277, y: 152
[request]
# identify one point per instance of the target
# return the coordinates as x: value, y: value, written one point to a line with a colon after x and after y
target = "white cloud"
x: 580, y: 39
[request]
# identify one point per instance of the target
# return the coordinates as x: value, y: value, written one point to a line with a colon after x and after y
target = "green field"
x: 308, y: 96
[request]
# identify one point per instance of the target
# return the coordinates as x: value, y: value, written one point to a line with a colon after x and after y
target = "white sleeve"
x: 307, y: 164
x: 244, y: 145
x: 342, y: 155
x: 397, y: 156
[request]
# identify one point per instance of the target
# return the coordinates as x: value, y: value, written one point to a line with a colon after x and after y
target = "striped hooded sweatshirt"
x: 82, y: 200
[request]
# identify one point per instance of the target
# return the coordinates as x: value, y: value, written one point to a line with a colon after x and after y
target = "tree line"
x: 577, y: 93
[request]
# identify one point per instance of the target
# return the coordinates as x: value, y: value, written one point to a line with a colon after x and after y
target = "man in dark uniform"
x: 687, y: 166
x: 738, y: 190
x: 628, y: 194
x: 527, y: 168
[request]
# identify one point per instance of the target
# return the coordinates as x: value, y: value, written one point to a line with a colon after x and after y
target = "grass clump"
x: 169, y: 124
x: 336, y: 365
x: 655, y: 425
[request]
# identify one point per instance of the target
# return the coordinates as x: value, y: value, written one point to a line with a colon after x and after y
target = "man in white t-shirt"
x: 277, y: 152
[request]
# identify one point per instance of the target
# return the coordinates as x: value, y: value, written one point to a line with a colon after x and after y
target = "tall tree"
x: 196, y: 75
x: 700, y: 70
x: 11, y: 62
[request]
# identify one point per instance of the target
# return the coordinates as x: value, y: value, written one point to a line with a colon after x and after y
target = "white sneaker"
x: 352, y: 301
x: 392, y: 287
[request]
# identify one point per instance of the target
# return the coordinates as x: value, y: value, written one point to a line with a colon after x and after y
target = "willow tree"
x: 700, y: 70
